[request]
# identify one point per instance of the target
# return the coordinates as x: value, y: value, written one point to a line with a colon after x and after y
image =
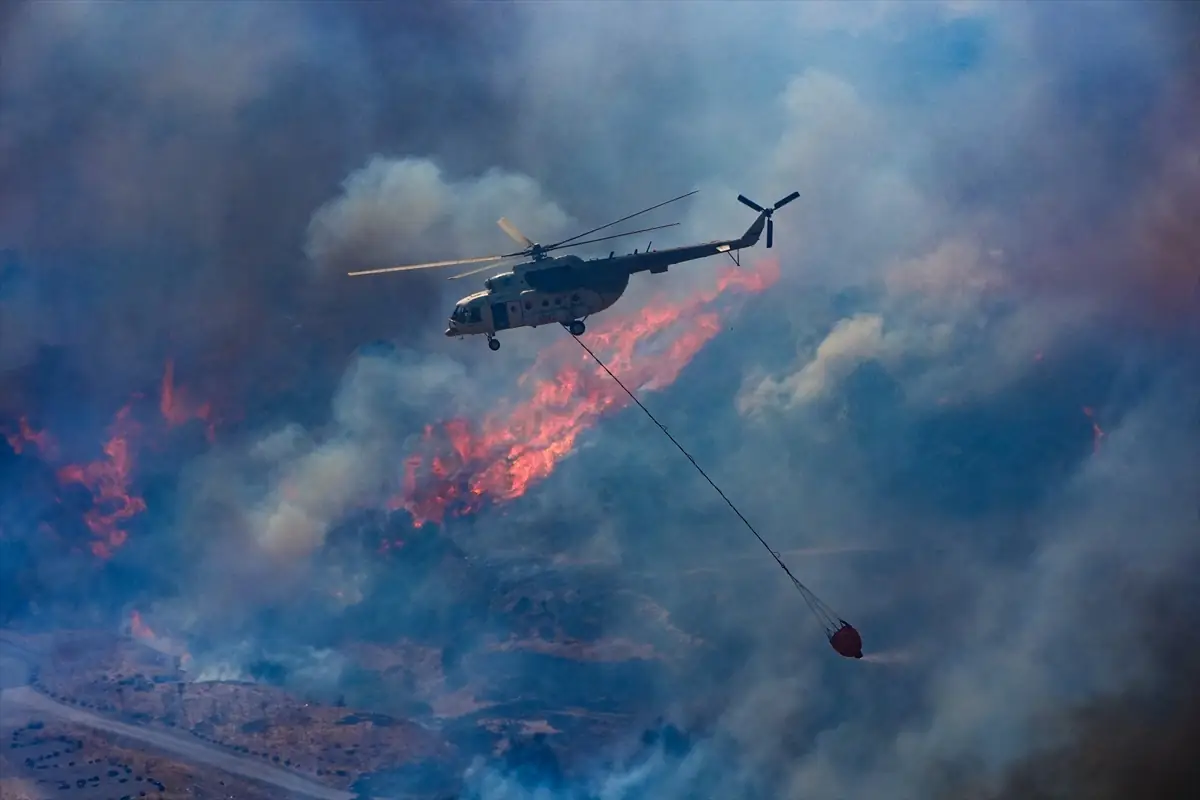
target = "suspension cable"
x: 824, y: 614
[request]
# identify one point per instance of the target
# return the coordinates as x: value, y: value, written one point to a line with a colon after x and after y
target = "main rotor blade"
x: 622, y: 219
x: 429, y: 265
x: 743, y: 199
x: 786, y: 200
x: 513, y: 233
x: 475, y: 271
x: 614, y: 236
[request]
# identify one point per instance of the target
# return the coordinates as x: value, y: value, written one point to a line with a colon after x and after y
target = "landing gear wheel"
x: 577, y: 328
x: 494, y: 344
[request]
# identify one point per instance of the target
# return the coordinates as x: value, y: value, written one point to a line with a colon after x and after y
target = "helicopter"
x: 567, y: 289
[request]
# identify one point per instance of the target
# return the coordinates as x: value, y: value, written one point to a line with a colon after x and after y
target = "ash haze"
x: 968, y: 402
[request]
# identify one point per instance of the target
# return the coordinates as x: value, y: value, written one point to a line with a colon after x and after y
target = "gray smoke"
x: 993, y: 233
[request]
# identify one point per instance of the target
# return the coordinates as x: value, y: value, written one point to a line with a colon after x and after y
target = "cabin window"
x: 528, y: 305
x: 545, y: 303
x: 558, y: 301
x: 574, y: 298
x: 475, y: 315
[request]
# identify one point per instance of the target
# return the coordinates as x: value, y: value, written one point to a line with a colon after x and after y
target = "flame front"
x: 137, y: 628
x: 109, y: 479
x: 503, y: 456
x: 25, y: 435
x: 464, y: 464
x: 175, y: 407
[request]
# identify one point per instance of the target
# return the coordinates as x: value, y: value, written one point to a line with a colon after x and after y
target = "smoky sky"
x: 160, y: 166
x: 965, y: 414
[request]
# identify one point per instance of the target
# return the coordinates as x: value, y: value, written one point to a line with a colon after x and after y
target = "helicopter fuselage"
x: 567, y: 289
x: 552, y: 290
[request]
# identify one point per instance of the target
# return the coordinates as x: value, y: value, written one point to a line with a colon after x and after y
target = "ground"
x: 548, y: 690
x: 49, y: 760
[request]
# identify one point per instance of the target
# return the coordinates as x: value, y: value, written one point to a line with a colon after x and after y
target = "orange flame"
x: 108, y: 480
x: 25, y: 435
x: 1097, y: 432
x: 176, y: 408
x: 138, y: 628
x: 501, y: 458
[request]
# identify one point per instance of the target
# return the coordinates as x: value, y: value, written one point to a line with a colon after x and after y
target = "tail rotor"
x: 767, y: 212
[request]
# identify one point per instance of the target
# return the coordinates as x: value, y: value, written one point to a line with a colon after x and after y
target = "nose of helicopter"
x: 449, y: 328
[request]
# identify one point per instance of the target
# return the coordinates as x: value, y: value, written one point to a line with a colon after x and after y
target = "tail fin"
x: 752, y: 234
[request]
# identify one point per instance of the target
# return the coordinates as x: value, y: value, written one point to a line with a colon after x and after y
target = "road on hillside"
x: 15, y: 695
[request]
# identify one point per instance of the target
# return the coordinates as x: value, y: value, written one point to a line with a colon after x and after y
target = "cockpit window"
x: 467, y: 314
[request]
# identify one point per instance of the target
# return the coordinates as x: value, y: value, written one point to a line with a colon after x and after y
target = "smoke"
x: 18, y: 323
x: 852, y: 341
x: 389, y: 203
x: 158, y: 171
x: 1123, y: 743
x: 318, y: 483
x: 993, y: 235
x: 275, y: 503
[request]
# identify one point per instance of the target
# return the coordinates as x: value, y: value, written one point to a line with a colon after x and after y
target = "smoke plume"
x: 957, y: 395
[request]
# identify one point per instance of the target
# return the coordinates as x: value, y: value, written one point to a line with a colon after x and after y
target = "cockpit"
x: 465, y: 313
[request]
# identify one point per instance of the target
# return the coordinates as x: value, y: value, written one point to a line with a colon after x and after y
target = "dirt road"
x: 26, y: 700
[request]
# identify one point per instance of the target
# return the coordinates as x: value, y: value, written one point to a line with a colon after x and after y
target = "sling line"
x: 824, y: 614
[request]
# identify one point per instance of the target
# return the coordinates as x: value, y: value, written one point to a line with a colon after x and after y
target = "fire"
x: 1097, y: 432
x: 108, y: 479
x: 500, y: 458
x: 176, y: 408
x: 139, y: 629
x: 25, y: 435
x: 466, y: 464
